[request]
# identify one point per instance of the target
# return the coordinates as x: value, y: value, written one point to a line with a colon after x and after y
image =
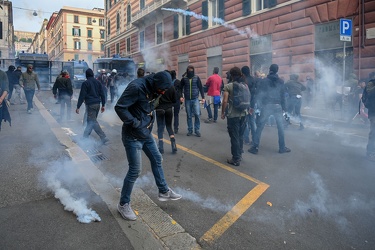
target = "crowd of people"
x: 247, y: 102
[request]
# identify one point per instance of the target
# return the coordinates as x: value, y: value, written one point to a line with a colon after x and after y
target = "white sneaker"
x: 170, y: 195
x: 126, y: 211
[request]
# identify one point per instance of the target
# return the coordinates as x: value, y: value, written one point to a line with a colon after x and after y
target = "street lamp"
x: 34, y: 13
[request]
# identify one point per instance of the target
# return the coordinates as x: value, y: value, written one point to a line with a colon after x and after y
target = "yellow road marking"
x: 240, y: 208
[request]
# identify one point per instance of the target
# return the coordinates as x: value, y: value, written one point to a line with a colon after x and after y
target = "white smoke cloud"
x: 243, y: 32
x: 65, y: 173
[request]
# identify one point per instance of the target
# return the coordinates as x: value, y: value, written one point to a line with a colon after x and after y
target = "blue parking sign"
x: 345, y: 30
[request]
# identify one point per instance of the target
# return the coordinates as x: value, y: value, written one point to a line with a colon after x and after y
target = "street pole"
x: 343, y: 69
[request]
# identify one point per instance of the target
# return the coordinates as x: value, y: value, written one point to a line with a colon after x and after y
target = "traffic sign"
x: 346, y: 30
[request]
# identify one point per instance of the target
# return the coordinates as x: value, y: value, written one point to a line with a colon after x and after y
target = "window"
x: 128, y: 45
x: 109, y: 28
x: 141, y: 40
x: 89, y: 20
x: 128, y: 14
x: 89, y: 45
x: 181, y: 25
x: 263, y: 4
x: 77, y: 45
x: 102, y: 34
x: 76, y: 20
x: 246, y: 7
x: 76, y: 31
x: 141, y: 4
x: 212, y: 9
x: 89, y: 33
x: 102, y: 47
x: 108, y: 52
x: 159, y: 33
x: 76, y: 57
x: 117, y: 48
x: 101, y: 22
x: 118, y: 21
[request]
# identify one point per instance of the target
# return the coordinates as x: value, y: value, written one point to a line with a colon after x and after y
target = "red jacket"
x: 214, y: 83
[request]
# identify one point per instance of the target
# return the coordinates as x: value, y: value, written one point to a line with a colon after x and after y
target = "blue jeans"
x: 216, y: 110
x: 65, y: 99
x: 134, y: 148
x: 250, y: 128
x: 294, y: 107
x: 29, y: 94
x: 192, y: 108
x: 236, y: 127
x: 277, y: 112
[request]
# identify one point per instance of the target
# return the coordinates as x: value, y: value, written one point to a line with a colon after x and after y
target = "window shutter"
x: 72, y: 31
x: 204, y: 13
x: 221, y: 9
x: 246, y: 7
x: 175, y: 26
x: 79, y: 32
x: 187, y: 24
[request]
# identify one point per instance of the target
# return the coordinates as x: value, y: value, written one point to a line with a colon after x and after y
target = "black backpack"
x: 241, y: 96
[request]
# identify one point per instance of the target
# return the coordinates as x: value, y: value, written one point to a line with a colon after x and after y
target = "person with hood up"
x: 135, y: 108
x: 368, y: 98
x: 64, y: 87
x: 270, y: 96
x: 92, y: 94
x: 12, y: 82
x: 191, y: 86
x: 28, y: 80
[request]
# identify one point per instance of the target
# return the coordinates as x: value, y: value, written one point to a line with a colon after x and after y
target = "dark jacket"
x: 64, y: 85
x: 251, y: 83
x: 368, y: 98
x: 91, y: 91
x: 135, y: 106
x: 168, y: 99
x: 11, y: 79
x: 191, y: 87
x: 294, y: 87
x: 271, y: 90
x: 17, y: 75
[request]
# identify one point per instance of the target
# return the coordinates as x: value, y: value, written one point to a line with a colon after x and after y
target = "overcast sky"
x: 25, y: 21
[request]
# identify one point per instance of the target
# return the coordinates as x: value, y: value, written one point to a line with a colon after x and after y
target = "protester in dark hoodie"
x: 136, y: 109
x: 368, y: 99
x: 270, y: 96
x: 11, y: 80
x: 63, y: 84
x: 92, y: 94
x: 164, y: 117
x: 191, y: 86
x: 251, y: 83
x: 4, y: 89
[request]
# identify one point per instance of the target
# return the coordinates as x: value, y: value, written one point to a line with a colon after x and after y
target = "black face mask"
x: 190, y: 74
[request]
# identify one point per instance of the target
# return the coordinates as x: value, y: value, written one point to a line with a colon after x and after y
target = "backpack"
x: 241, y: 96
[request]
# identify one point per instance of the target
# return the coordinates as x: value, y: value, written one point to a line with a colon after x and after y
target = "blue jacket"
x: 91, y: 91
x: 191, y: 87
x: 135, y: 107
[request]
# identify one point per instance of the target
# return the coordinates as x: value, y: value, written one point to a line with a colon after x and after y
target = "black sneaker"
x: 233, y: 162
x: 253, y: 150
x: 284, y: 150
x: 189, y: 133
x: 198, y: 134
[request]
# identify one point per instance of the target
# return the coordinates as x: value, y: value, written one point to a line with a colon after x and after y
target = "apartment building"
x: 39, y: 42
x: 7, y: 50
x: 76, y: 34
x: 302, y: 36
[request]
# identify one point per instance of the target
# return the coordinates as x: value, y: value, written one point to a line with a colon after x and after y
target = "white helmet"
x: 114, y: 71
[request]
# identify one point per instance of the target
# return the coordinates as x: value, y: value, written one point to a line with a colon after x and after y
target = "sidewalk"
x: 32, y: 218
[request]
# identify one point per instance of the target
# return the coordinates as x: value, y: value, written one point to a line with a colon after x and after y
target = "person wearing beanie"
x: 92, y: 94
x: 135, y: 108
x: 28, y: 80
x: 271, y: 98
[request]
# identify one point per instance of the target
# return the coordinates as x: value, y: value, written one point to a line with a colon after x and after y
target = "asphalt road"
x: 319, y: 196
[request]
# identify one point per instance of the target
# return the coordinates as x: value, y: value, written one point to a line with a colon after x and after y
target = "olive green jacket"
x: 28, y: 80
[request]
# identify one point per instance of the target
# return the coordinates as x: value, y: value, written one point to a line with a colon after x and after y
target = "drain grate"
x: 95, y: 155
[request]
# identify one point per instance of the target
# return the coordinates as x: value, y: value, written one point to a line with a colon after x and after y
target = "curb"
x: 154, y: 228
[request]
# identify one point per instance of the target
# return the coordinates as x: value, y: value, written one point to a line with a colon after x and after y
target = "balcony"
x: 153, y: 10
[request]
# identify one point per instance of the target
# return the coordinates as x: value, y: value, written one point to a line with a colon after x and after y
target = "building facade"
x: 76, y: 34
x: 7, y: 50
x: 39, y: 42
x: 23, y: 40
x: 302, y: 36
